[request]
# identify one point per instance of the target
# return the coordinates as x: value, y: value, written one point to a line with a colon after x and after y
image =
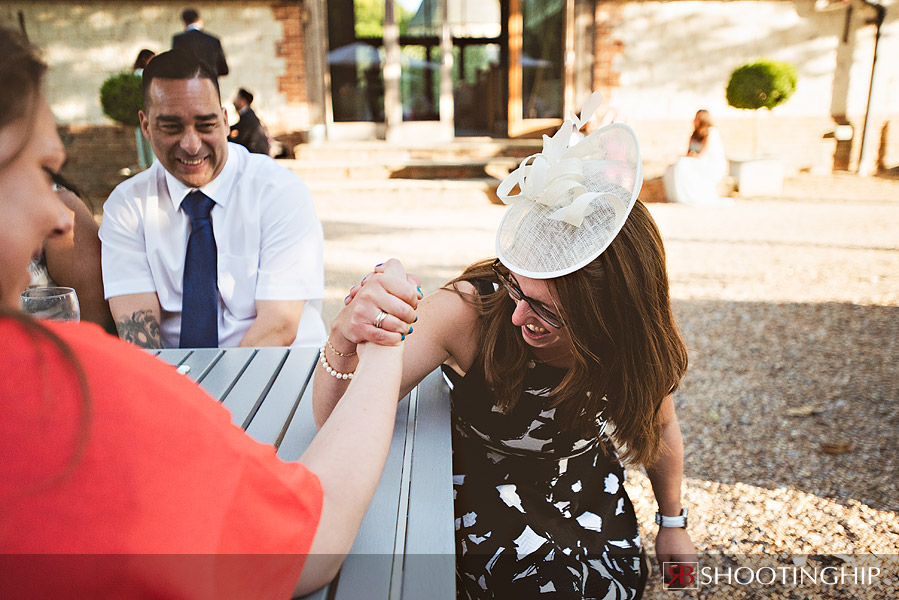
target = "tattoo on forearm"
x: 142, y: 329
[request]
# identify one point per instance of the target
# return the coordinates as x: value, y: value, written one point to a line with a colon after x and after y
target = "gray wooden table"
x: 404, y: 549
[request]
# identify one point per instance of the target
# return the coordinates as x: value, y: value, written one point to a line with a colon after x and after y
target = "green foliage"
x: 761, y: 84
x: 121, y: 97
x: 369, y: 18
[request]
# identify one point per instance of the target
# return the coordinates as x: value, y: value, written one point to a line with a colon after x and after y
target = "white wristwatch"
x: 678, y: 521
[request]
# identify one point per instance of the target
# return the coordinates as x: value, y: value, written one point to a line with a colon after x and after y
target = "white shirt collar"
x: 219, y: 189
x: 195, y: 26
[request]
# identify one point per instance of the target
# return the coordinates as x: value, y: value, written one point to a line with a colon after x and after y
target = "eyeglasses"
x: 515, y: 292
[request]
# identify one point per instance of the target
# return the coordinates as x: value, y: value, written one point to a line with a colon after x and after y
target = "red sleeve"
x: 163, y: 472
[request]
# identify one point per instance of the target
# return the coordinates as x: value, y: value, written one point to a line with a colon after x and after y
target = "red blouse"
x: 168, y: 498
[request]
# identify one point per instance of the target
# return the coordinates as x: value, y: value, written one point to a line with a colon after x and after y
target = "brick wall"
x: 607, y: 46
x: 291, y: 48
x: 95, y: 155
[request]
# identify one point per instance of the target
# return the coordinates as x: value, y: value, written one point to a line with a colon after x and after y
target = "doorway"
x: 536, y: 65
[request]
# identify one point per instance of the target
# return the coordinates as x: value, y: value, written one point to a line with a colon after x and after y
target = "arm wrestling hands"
x: 386, y: 290
x: 382, y: 290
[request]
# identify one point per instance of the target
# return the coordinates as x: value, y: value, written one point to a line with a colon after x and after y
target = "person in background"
x: 143, y: 59
x: 694, y: 178
x: 211, y: 246
x: 120, y: 477
x: 204, y: 46
x: 73, y: 259
x: 561, y: 352
x: 249, y: 131
x: 144, y: 149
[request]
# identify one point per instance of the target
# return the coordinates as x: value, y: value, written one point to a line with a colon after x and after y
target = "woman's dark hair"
x: 21, y: 71
x: 143, y: 58
x: 701, y: 132
x: 176, y: 64
x: 628, y: 354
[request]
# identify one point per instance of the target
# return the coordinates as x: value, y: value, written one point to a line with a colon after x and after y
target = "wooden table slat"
x: 245, y: 397
x: 368, y: 570
x: 269, y: 423
x: 430, y: 566
x: 301, y: 430
x: 174, y: 356
x: 226, y: 371
x: 201, y: 361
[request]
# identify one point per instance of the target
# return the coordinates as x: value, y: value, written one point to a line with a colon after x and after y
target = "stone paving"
x: 790, y: 310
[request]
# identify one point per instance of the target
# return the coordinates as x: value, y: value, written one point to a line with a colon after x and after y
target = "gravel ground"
x: 790, y: 410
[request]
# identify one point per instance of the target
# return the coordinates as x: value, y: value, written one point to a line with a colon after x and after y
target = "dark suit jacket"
x: 205, y: 47
x: 250, y: 132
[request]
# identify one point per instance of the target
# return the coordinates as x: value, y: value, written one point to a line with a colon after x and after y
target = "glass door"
x: 536, y: 65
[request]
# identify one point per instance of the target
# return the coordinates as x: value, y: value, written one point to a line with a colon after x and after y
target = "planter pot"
x: 758, y: 176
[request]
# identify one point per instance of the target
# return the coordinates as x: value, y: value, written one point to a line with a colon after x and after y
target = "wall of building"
x: 658, y: 62
x: 86, y: 42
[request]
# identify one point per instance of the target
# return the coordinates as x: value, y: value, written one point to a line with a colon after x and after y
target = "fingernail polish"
x: 402, y: 338
x: 378, y: 265
x: 419, y: 291
x: 410, y: 330
x: 347, y: 297
x: 416, y: 320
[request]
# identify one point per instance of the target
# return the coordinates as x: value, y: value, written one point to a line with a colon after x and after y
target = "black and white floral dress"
x: 539, y: 512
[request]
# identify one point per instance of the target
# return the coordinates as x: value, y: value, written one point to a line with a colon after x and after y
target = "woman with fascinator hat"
x: 562, y: 353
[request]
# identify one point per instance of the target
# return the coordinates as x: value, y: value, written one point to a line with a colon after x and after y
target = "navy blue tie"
x: 199, y: 298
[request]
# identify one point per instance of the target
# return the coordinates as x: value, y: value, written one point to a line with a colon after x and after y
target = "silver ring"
x: 380, y: 319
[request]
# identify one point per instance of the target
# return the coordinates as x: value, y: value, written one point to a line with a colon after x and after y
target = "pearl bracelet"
x: 331, y: 370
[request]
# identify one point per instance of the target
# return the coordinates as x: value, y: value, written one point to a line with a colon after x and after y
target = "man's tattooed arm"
x: 141, y: 329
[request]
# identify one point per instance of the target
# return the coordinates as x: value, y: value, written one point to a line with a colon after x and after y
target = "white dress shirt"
x: 268, y: 237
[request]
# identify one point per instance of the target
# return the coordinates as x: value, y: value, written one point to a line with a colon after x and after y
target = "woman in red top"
x: 113, y: 464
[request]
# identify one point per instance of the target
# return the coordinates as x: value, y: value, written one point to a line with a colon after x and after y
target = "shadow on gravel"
x: 798, y: 395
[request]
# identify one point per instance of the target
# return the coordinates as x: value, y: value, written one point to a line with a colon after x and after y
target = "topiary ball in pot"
x: 121, y: 97
x: 761, y: 84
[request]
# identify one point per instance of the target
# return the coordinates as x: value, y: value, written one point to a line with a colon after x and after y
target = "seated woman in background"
x: 73, y: 259
x: 121, y: 478
x: 694, y: 178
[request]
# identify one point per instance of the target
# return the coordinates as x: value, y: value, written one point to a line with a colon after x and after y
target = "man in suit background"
x: 205, y: 47
x: 248, y: 131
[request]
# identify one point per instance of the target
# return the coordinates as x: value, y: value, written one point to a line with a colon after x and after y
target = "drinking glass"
x: 55, y: 303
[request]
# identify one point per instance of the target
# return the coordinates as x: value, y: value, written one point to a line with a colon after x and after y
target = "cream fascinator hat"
x: 573, y: 198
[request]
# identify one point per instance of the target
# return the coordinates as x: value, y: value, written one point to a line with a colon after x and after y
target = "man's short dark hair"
x: 190, y: 15
x: 176, y: 64
x: 246, y: 95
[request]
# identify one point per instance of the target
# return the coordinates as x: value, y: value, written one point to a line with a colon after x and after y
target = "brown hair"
x: 705, y: 123
x: 21, y: 71
x: 628, y: 354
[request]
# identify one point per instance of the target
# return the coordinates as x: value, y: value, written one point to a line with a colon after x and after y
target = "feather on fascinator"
x: 573, y: 198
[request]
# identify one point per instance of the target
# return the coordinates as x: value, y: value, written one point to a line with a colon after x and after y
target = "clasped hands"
x: 380, y: 309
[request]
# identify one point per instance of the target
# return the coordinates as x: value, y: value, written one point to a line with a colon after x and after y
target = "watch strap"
x: 678, y: 521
